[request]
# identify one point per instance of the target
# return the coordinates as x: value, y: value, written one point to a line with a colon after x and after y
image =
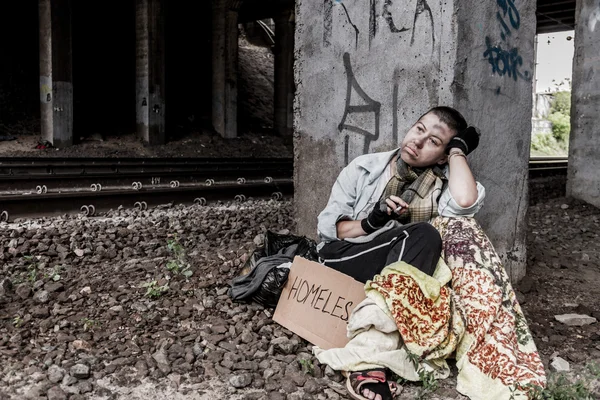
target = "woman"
x: 389, y: 219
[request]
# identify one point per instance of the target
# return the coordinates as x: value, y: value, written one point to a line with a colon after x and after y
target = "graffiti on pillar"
x: 328, y: 22
x: 504, y: 58
x: 508, y: 8
x: 422, y: 7
x: 387, y: 14
x: 356, y: 31
x: 372, y: 20
x: 505, y: 62
x: 365, y: 105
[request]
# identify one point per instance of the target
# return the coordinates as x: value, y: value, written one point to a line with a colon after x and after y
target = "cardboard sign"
x: 316, y: 303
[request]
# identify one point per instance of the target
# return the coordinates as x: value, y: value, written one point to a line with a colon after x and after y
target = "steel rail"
x: 31, y: 187
x: 48, y: 186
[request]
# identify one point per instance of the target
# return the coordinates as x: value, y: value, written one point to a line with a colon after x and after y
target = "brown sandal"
x: 373, y: 379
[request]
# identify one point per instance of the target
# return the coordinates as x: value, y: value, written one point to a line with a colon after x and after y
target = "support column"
x: 150, y: 72
x: 366, y: 80
x: 225, y: 67
x: 583, y: 181
x: 284, y: 74
x: 56, y: 72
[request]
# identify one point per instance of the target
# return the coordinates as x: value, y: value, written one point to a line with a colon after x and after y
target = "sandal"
x: 373, y: 379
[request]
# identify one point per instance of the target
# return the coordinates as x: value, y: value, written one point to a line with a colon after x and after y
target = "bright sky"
x: 554, y: 61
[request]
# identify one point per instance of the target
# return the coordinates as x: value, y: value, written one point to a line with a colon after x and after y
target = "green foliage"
x: 179, y: 264
x: 561, y: 126
x: 561, y: 103
x: 55, y: 274
x: 17, y: 321
x: 89, y: 324
x: 154, y: 290
x: 560, y: 118
x: 430, y: 384
x: 307, y: 367
x: 560, y: 387
x: 31, y: 269
x: 547, y: 144
x: 560, y: 115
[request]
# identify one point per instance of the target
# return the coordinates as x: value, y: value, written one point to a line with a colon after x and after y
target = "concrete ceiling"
x: 552, y: 15
x: 555, y: 15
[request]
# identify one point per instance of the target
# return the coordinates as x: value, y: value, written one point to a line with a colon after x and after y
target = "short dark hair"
x: 450, y: 117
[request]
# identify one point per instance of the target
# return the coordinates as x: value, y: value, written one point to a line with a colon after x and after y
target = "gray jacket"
x: 353, y: 193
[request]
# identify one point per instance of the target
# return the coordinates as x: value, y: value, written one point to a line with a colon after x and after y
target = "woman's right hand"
x: 396, y: 205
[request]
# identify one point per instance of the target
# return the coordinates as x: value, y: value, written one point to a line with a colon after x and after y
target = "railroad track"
x: 47, y: 186
x: 547, y: 166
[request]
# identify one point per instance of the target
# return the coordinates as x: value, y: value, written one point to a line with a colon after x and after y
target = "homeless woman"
x: 402, y: 223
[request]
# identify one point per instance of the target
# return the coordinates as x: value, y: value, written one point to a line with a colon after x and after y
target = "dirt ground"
x: 563, y: 275
x: 185, y: 139
x: 94, y: 307
x: 195, y: 144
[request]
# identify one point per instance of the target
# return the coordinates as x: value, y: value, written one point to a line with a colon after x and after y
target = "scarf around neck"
x: 420, y: 188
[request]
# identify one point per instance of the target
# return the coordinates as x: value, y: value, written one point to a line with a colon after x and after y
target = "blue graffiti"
x: 508, y: 7
x: 505, y: 62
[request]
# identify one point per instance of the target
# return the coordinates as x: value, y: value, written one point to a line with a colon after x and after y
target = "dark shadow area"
x: 188, y: 67
x: 19, y: 68
x: 103, y: 69
x: 256, y: 75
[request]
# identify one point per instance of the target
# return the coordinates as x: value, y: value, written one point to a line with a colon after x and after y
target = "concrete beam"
x: 224, y: 68
x: 150, y: 71
x: 583, y: 180
x: 56, y: 72
x: 284, y: 74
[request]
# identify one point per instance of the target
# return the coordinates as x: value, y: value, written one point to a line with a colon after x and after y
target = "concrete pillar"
x: 365, y: 71
x: 225, y: 67
x: 56, y: 72
x: 150, y: 71
x: 583, y: 180
x: 284, y: 74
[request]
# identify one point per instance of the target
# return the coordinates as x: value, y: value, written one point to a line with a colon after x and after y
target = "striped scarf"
x: 419, y: 188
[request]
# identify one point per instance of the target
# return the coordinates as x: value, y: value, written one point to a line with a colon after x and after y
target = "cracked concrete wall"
x: 583, y: 180
x: 366, y: 70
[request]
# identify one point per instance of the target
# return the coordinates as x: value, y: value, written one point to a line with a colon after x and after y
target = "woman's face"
x: 425, y: 143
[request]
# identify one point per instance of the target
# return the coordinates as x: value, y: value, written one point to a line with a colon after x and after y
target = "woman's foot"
x: 371, y: 384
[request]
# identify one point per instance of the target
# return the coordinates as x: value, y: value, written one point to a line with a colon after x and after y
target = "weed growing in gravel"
x: 428, y: 380
x: 154, y: 290
x: 307, y: 367
x: 430, y: 384
x: 560, y: 387
x: 179, y: 264
x: 32, y: 269
x: 89, y: 324
x: 17, y: 321
x: 55, y: 274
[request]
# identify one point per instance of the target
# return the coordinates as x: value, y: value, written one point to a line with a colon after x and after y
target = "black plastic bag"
x: 269, y: 291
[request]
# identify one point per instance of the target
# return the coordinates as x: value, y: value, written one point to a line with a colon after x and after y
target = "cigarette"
x: 398, y: 209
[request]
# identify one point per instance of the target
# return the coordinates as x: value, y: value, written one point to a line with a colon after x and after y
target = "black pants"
x: 418, y: 244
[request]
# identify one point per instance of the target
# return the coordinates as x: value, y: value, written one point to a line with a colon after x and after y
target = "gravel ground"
x: 105, y: 308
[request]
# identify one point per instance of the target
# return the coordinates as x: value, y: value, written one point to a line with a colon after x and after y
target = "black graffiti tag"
x: 387, y: 14
x: 369, y: 106
x: 328, y: 22
x: 505, y: 62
